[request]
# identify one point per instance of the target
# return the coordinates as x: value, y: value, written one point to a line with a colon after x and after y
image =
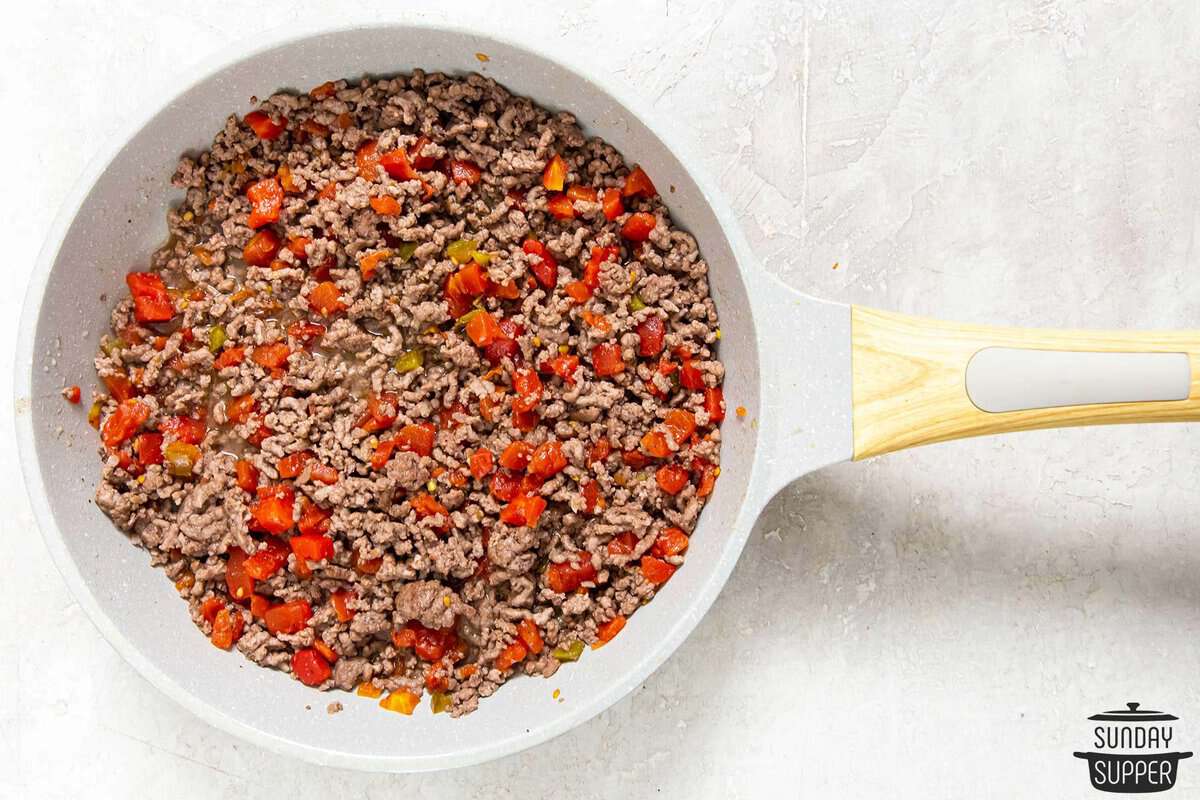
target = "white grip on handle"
x: 1014, y: 379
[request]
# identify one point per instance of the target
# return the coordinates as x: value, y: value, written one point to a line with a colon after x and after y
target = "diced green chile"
x: 409, y: 361
x: 571, y: 652
x: 216, y: 337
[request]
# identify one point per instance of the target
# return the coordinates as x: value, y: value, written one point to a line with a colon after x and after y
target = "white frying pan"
x: 822, y: 382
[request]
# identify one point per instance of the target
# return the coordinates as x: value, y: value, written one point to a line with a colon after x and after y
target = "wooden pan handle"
x: 918, y: 381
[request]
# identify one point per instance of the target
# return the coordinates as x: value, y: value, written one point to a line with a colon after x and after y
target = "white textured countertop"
x: 937, y: 623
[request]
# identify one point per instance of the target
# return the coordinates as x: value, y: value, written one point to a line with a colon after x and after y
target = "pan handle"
x: 918, y: 381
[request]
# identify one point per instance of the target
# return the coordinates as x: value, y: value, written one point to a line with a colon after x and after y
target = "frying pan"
x: 822, y: 382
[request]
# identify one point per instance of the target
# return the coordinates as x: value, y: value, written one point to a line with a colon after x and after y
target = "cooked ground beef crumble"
x: 422, y: 392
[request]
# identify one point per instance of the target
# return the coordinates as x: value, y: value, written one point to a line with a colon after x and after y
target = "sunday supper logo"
x: 1133, y: 751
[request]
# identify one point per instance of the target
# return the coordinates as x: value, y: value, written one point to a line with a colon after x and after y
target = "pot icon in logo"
x: 1133, y: 752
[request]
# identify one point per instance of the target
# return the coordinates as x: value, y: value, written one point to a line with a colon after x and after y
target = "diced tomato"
x: 513, y: 654
x: 184, y: 429
x: 527, y: 629
x: 547, y: 460
x: 506, y: 346
x: 598, y: 321
x: 525, y: 421
x: 591, y: 497
x: 326, y: 299
x: 671, y: 478
x: 591, y: 271
x: 247, y: 475
x: 651, y: 333
x: 638, y: 184
x: 271, y: 356
x: 268, y: 560
x: 639, y: 226
x: 528, y: 388
x: 464, y: 172
x: 523, y: 510
x: 262, y: 248
x: 327, y: 652
x: 385, y: 206
x: 401, y: 701
x: 328, y: 191
x: 516, y: 456
x: 505, y: 486
x: 148, y: 447
x: 599, y: 451
x: 341, y: 604
x: 634, y: 459
x: 365, y: 566
x: 210, y: 607
x: 606, y: 632
x: 264, y: 127
x: 560, y: 206
x: 312, y: 546
x: 227, y: 628
x: 298, y: 246
x: 307, y: 333
x: 567, y: 576
x: 450, y: 417
x: 483, y: 329
x: 230, y: 357
x: 470, y: 281
x: 266, y: 201
x: 418, y: 438
x: 382, y: 410
x: 714, y: 403
x: 435, y: 679
x: 690, y: 377
x: 415, y: 154
x: 396, y: 163
x: 563, y: 366
x: 706, y: 476
x: 656, y: 570
x: 584, y: 194
x: 578, y: 291
x: 622, y: 544
x: 124, y: 422
x: 292, y: 464
x: 671, y: 542
x: 259, y: 606
x: 681, y: 424
x: 543, y: 266
x: 481, y: 463
x: 607, y: 360
x: 260, y: 434
x: 120, y: 388
x: 427, y: 506
x: 366, y: 159
x: 555, y: 174
x: 509, y: 290
x: 369, y: 263
x: 432, y: 644
x: 151, y: 301
x: 239, y: 582
x: 314, y: 520
x: 310, y: 667
x: 612, y: 205
x: 239, y: 409
x: 271, y: 510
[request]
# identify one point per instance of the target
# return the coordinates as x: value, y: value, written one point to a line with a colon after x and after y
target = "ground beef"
x: 380, y: 337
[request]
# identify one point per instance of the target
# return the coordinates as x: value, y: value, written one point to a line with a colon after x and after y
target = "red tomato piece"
x: 271, y: 510
x: 671, y: 542
x: 418, y: 438
x: 314, y: 520
x: 622, y: 544
x: 148, y: 448
x: 528, y: 388
x: 651, y: 331
x: 292, y: 464
x: 481, y: 463
x: 239, y: 582
x: 525, y: 421
x: 271, y: 356
x: 690, y: 377
x: 310, y: 667
x: 544, y: 267
x: 578, y: 291
x: 656, y: 570
x: 555, y: 174
x: 262, y: 248
x: 607, y: 360
x: 547, y: 460
x: 516, y: 456
x: 120, y: 388
x: 464, y: 172
x: 639, y: 226
x: 381, y: 413
x: 151, y: 301
x: 227, y: 628
x: 385, y: 206
x: 341, y: 604
x: 247, y: 475
x: 366, y: 159
x: 427, y: 506
x: 638, y: 184
x: 591, y: 497
x: 266, y: 201
x: 184, y: 429
x: 612, y: 205
x: 560, y: 206
x: 607, y: 631
x: 671, y: 478
x: 230, y: 357
x: 312, y: 546
x: 527, y: 629
x: 714, y: 403
x: 239, y: 409
x: 513, y: 654
x: 523, y: 510
x: 483, y: 329
x: 397, y: 164
x: 505, y: 486
x: 326, y: 299
x: 124, y: 422
x: 567, y: 576
x: 268, y: 560
x: 563, y: 366
x: 264, y: 127
x: 470, y: 281
x: 585, y: 194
